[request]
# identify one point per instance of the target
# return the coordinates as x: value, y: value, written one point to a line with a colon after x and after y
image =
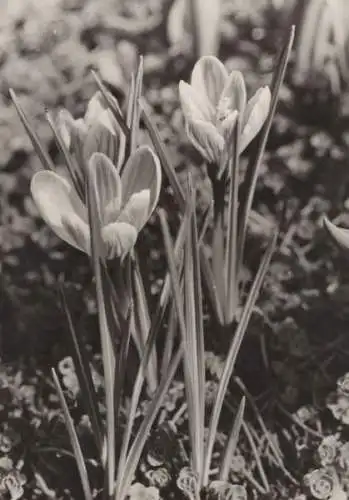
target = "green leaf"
x: 74, y: 440
x: 146, y: 425
x: 142, y: 322
x: 194, y: 342
x: 39, y: 149
x: 186, y: 320
x: 250, y: 181
x: 230, y: 447
x: 257, y: 457
x: 169, y: 340
x: 121, y: 365
x: 230, y: 263
x: 83, y: 371
x: 211, y: 286
x: 218, y: 229
x: 233, y: 352
x: 136, y: 113
x: 108, y: 356
x: 163, y: 155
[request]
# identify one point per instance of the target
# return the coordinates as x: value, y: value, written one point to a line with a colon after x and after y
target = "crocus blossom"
x: 124, y: 202
x: 97, y: 131
x: 338, y: 234
x: 211, y: 104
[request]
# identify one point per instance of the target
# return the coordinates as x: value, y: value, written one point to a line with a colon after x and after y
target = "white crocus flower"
x: 97, y: 131
x: 211, y: 104
x: 124, y: 202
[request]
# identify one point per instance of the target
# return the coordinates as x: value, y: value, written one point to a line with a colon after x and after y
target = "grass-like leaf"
x: 120, y: 371
x: 163, y: 155
x: 218, y: 229
x: 142, y: 322
x: 38, y: 147
x: 257, y: 457
x: 146, y: 425
x: 194, y: 347
x: 249, y: 185
x: 170, y: 339
x: 79, y: 457
x: 230, y: 447
x: 83, y: 371
x: 136, y: 113
x: 230, y: 263
x: 187, y: 325
x: 211, y: 285
x: 108, y: 356
x: 137, y: 387
x: 233, y: 352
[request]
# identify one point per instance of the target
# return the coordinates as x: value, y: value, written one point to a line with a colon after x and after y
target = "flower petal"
x: 257, y: 110
x: 228, y: 125
x: 103, y: 130
x: 206, y: 139
x: 142, y: 172
x: 338, y: 234
x: 107, y: 183
x: 70, y: 128
x: 209, y: 77
x: 233, y: 96
x: 194, y: 105
x: 100, y: 139
x: 78, y: 231
x: 61, y: 208
x: 119, y: 238
x: 136, y: 211
x: 95, y: 109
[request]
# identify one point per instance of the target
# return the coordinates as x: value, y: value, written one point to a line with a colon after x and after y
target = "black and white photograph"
x: 174, y: 249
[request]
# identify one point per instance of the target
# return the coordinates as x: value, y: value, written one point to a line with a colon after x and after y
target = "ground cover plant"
x: 173, y: 313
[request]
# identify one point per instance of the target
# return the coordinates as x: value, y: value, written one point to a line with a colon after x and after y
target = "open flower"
x: 212, y: 103
x: 97, y: 131
x: 124, y: 203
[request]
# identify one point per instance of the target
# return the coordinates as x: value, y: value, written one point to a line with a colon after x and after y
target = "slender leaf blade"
x: 233, y: 352
x: 38, y: 147
x: 74, y: 440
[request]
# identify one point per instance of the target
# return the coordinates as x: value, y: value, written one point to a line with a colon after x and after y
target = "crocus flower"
x: 97, y: 131
x: 124, y: 202
x: 211, y: 104
x: 338, y: 234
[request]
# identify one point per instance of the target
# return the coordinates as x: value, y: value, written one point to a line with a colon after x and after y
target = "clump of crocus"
x: 124, y: 202
x: 211, y: 104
